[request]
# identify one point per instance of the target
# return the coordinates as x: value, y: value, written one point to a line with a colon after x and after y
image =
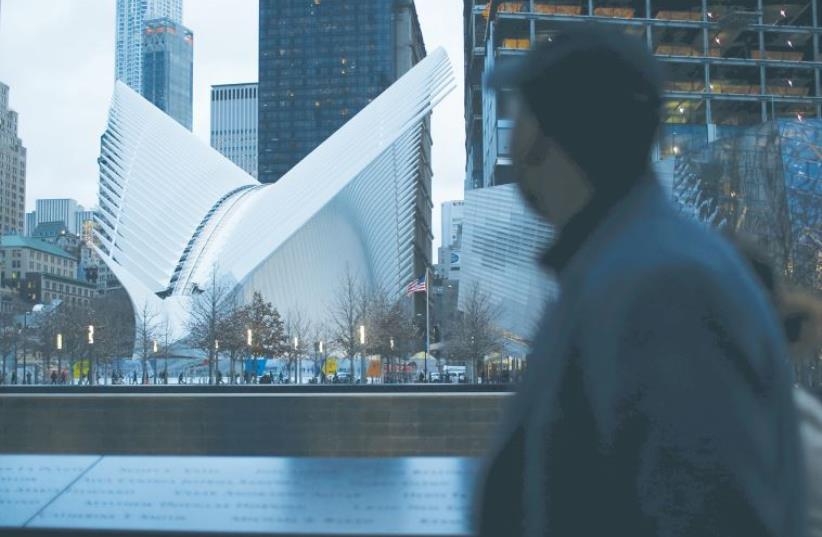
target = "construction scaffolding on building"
x: 731, y: 64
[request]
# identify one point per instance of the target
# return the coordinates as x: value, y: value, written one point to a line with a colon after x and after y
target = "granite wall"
x: 123, y: 420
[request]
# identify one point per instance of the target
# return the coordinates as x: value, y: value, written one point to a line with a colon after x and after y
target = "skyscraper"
x: 322, y: 62
x: 131, y: 15
x: 449, y: 253
x: 452, y: 214
x: 168, y: 68
x: 234, y: 124
x: 12, y: 169
x: 30, y: 223
x: 58, y: 210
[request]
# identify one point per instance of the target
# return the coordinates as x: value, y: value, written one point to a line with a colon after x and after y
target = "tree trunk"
x: 210, y: 366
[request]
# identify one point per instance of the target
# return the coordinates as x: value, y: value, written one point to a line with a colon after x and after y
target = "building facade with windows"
x: 57, y: 210
x: 234, y: 124
x: 12, y: 169
x: 730, y: 66
x: 168, y: 68
x: 41, y: 272
x: 83, y: 222
x: 131, y: 15
x: 30, y: 223
x: 501, y: 245
x: 449, y: 255
x: 320, y: 63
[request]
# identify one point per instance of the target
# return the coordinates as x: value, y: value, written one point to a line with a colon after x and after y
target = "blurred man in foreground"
x: 658, y: 398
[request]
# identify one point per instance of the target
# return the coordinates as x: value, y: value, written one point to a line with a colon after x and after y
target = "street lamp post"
x: 323, y: 365
x: 250, y: 341
x: 475, y: 359
x: 59, y: 356
x: 392, y: 375
x: 25, y: 329
x: 363, y: 378
x: 154, y: 352
x: 90, y: 355
x: 296, y: 360
x: 165, y: 354
x: 216, y: 353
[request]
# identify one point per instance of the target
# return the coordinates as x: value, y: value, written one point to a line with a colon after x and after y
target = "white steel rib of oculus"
x: 172, y: 208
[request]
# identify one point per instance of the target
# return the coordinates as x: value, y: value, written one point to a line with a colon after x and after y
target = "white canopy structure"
x: 172, y: 208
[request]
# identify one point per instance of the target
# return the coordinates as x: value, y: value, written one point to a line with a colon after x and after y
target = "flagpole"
x: 427, y: 325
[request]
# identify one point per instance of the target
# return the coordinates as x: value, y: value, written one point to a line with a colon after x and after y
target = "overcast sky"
x: 58, y: 58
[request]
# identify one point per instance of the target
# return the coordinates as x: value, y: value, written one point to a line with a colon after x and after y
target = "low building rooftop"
x: 18, y: 241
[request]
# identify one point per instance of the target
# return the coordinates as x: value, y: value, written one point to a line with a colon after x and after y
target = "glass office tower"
x: 131, y: 15
x: 321, y: 62
x: 168, y: 68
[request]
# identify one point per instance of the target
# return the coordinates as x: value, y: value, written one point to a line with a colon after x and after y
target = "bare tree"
x: 147, y: 329
x: 390, y: 326
x: 114, y: 316
x: 476, y: 334
x: 209, y: 310
x: 8, y: 333
x: 297, y: 329
x: 167, y: 336
x: 346, y: 310
x: 231, y: 335
x: 44, y: 337
x: 72, y: 322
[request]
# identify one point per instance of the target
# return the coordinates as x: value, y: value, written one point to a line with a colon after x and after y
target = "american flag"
x: 416, y: 286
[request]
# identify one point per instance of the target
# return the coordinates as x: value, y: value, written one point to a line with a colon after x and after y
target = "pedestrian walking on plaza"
x: 658, y: 399
x: 14, y: 377
x: 134, y: 377
x: 54, y: 376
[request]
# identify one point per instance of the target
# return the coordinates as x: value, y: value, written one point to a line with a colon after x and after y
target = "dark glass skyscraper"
x: 321, y: 62
x: 168, y: 70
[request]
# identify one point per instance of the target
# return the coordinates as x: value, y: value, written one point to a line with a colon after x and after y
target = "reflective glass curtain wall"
x: 321, y: 62
x: 168, y: 68
x: 765, y: 183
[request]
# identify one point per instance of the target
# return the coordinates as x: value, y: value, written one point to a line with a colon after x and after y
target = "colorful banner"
x: 249, y: 366
x: 374, y: 368
x: 81, y: 369
x: 330, y: 367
